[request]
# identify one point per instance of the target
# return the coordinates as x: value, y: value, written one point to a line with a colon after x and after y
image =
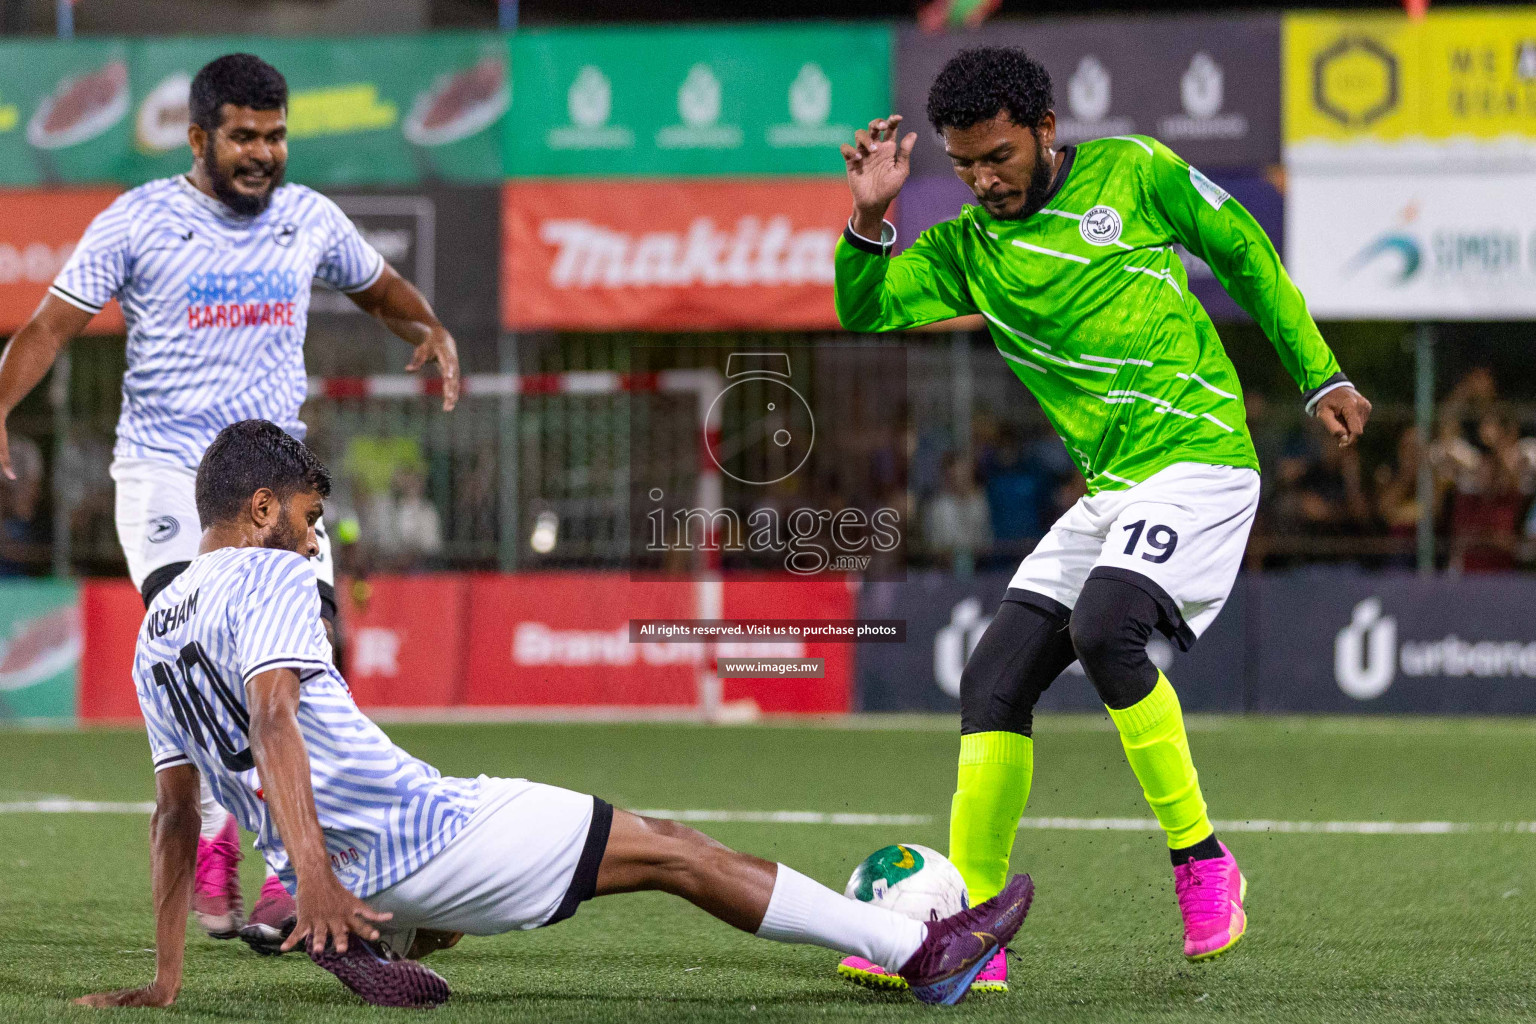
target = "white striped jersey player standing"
x: 213, y: 270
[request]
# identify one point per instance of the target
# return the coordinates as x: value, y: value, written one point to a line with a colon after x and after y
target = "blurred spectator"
x: 1018, y: 490
x: 418, y: 530
x: 382, y: 490
x: 956, y: 521
x: 1318, y: 490
x: 1268, y: 439
x: 925, y: 460
x: 85, y: 486
x: 1397, y: 487
x: 1474, y: 395
x: 1455, y: 461
x: 22, y: 544
x: 1486, y: 510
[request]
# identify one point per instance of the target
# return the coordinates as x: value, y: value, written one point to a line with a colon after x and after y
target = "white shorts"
x: 1184, y: 528
x: 526, y: 858
x: 157, y: 520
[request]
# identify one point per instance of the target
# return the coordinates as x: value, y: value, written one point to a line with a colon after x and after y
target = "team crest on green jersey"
x: 1101, y: 226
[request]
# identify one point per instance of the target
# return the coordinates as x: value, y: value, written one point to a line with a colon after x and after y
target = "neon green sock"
x: 993, y: 787
x: 1152, y: 732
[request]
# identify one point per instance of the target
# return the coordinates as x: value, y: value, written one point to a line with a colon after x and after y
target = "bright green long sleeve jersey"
x: 1090, y: 306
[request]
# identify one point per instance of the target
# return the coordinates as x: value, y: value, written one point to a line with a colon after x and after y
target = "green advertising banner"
x: 384, y: 110
x: 391, y: 110
x: 654, y: 102
x: 63, y: 111
x: 40, y: 641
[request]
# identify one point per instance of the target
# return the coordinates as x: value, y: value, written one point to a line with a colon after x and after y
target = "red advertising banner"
x: 561, y: 639
x: 779, y: 598
x: 405, y: 640
x: 111, y: 613
x: 38, y: 231
x: 670, y: 255
x: 540, y: 640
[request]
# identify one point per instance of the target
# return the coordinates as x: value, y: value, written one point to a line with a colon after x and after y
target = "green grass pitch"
x: 1343, y: 927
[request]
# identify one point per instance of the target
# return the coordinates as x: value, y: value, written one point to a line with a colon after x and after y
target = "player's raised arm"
x: 327, y: 910
x: 404, y: 310
x: 90, y: 278
x: 874, y: 291
x: 173, y: 833
x: 1216, y: 228
x: 29, y: 355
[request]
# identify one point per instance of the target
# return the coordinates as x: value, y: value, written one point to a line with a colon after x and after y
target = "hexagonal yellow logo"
x: 1356, y: 81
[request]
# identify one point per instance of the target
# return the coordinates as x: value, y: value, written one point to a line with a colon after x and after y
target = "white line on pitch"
x: 1367, y: 828
x: 62, y: 805
x: 1363, y: 828
x: 793, y: 817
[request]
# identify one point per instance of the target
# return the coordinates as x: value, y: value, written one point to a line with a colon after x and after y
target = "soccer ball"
x: 912, y: 880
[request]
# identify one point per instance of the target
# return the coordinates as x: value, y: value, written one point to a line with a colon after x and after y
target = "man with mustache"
x: 213, y: 269
x: 1069, y: 259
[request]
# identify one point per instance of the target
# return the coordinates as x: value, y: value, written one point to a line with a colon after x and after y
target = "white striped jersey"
x: 232, y: 615
x: 216, y: 305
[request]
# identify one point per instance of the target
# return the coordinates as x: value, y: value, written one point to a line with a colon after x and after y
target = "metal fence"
x: 485, y: 486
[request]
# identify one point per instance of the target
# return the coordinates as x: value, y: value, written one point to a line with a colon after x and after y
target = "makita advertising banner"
x: 670, y: 255
x: 1454, y: 90
x: 927, y: 200
x: 444, y: 239
x: 693, y: 100
x: 1208, y: 86
x: 38, y: 231
x: 1425, y: 246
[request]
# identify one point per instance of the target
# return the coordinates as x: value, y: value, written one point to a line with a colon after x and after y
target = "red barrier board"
x: 561, y: 639
x: 111, y: 612
x: 780, y: 597
x: 38, y: 231
x: 530, y: 640
x: 404, y: 641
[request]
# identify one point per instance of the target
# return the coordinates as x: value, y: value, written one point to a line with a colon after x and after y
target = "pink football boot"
x: 993, y: 977
x: 272, y: 919
x: 1211, y: 896
x: 216, y: 901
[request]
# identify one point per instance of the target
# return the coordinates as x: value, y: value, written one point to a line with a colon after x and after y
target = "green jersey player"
x: 1069, y: 257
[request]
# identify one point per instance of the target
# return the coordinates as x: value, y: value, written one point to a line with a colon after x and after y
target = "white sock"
x: 214, y: 813
x: 803, y: 910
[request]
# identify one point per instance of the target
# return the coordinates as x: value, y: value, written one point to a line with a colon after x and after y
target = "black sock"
x: 1205, y: 849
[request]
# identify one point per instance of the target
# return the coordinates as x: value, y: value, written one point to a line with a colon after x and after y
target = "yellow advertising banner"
x: 1368, y: 88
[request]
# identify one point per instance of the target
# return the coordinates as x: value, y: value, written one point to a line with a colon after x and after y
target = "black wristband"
x: 859, y: 242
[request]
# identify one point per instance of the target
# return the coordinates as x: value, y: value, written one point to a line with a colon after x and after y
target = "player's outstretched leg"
x: 216, y: 901
x: 773, y: 901
x: 1111, y: 624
